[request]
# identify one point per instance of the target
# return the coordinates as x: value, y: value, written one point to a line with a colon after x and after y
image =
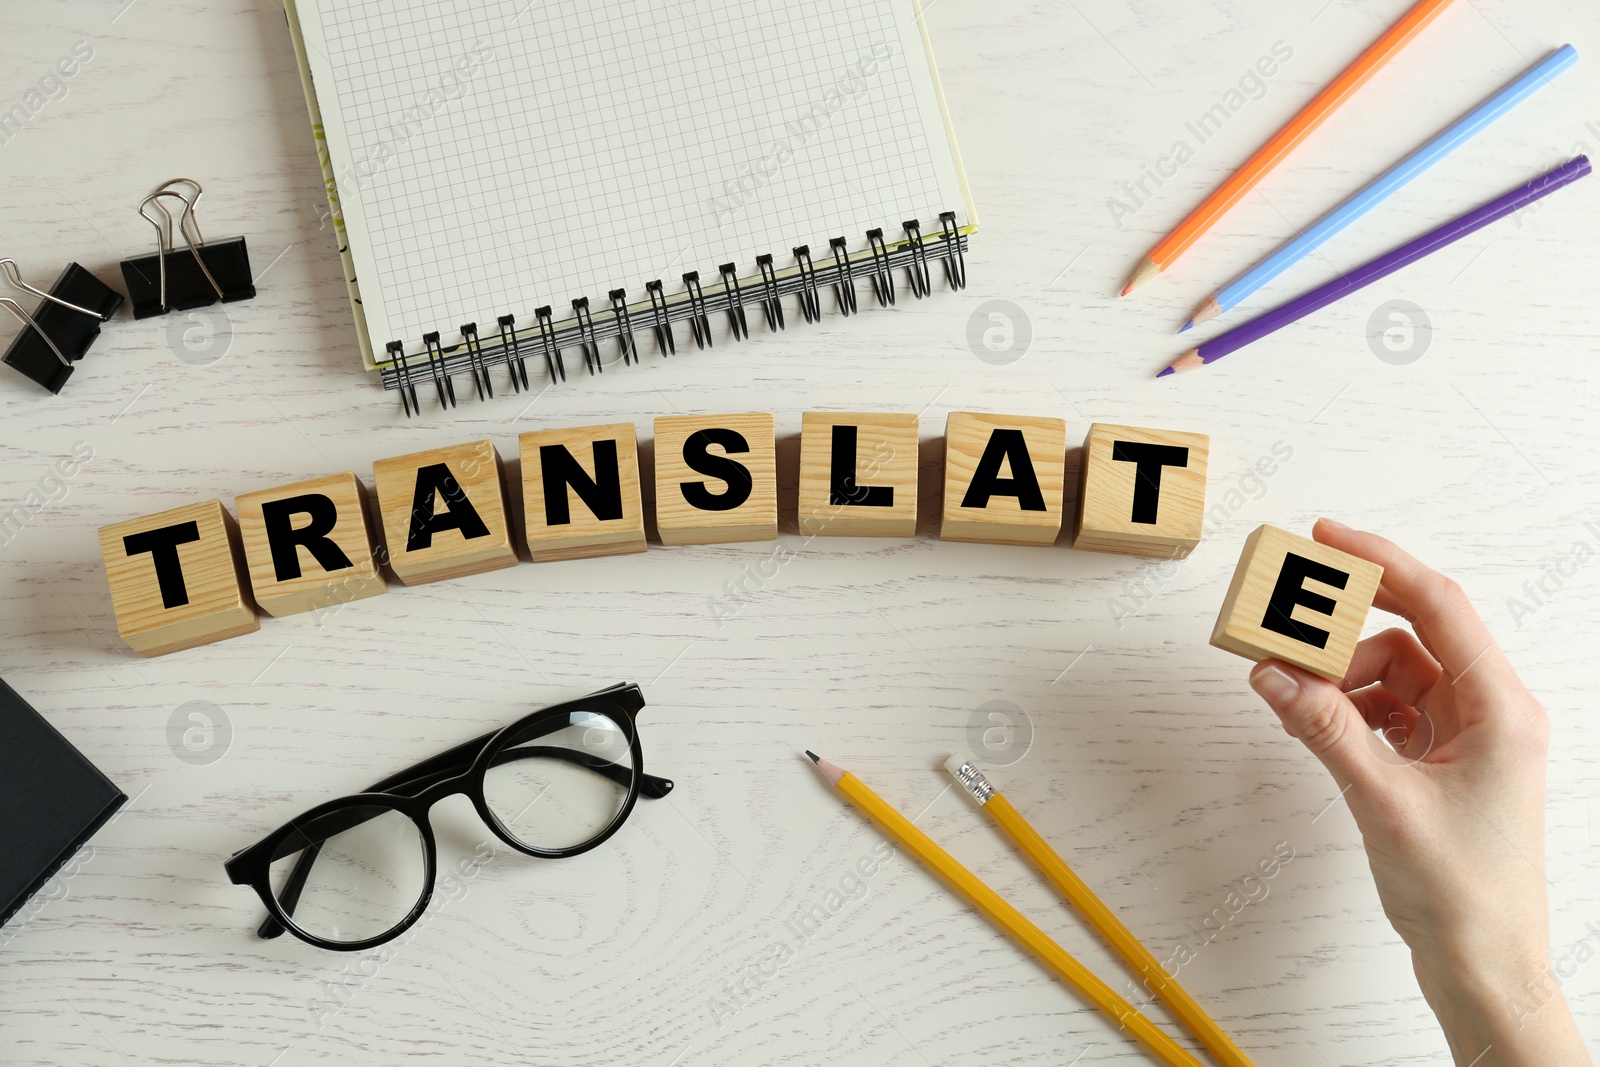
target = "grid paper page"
x: 495, y: 157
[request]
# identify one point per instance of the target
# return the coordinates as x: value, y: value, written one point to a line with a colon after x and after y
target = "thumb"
x: 1318, y: 713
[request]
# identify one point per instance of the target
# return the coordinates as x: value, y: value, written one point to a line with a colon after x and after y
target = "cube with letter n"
x: 580, y: 492
x: 1003, y: 478
x: 1296, y: 600
x: 444, y: 512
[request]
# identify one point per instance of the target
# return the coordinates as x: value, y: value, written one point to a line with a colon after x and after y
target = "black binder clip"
x: 62, y: 327
x: 177, y: 280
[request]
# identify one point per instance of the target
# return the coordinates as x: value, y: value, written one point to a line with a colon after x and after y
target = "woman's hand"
x: 1452, y: 815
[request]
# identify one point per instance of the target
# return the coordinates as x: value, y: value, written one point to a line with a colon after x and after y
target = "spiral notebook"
x: 521, y: 185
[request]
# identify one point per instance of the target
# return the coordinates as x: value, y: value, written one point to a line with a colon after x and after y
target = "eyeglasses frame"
x: 414, y: 792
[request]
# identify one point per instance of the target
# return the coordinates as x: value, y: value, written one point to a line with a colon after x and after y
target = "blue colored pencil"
x: 1386, y: 185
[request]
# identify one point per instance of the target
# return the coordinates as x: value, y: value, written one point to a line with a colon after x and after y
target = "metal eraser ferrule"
x: 971, y: 779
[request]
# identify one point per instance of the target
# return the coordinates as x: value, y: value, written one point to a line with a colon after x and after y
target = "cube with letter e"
x: 1296, y: 600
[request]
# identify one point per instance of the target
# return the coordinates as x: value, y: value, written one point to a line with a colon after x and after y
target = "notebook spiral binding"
x: 588, y: 331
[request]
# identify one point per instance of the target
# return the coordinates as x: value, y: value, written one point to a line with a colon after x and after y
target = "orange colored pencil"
x: 1285, y: 141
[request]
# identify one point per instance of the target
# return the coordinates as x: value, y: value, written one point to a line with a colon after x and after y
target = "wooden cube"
x: 309, y: 545
x: 1003, y: 478
x: 1296, y: 600
x: 177, y: 579
x: 716, y: 479
x: 858, y: 474
x: 580, y: 492
x: 444, y: 513
x: 1142, y: 492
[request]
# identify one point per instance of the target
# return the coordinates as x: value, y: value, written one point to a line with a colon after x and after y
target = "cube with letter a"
x: 177, y: 579
x: 580, y: 492
x: 1003, y: 478
x: 309, y: 545
x: 858, y: 474
x: 444, y: 513
x: 1296, y: 600
x: 716, y: 479
x: 1142, y: 492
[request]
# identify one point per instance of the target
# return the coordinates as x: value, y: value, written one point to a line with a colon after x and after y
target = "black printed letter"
x: 460, y: 514
x: 736, y: 474
x: 1290, y: 591
x: 278, y: 518
x: 1005, y: 446
x: 163, y: 545
x: 1148, y: 460
x: 842, y: 487
x: 560, y: 470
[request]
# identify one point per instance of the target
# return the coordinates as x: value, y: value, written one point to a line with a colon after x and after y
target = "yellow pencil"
x: 1102, y: 918
x: 994, y: 907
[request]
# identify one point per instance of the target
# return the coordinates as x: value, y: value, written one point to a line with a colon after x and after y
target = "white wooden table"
x: 1136, y: 748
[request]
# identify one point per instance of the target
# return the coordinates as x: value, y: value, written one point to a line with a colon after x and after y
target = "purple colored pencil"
x: 1382, y: 267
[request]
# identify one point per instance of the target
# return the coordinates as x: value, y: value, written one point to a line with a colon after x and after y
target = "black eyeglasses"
x: 354, y: 873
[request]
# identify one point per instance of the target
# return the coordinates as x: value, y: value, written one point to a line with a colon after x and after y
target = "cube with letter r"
x: 309, y: 545
x: 1296, y: 600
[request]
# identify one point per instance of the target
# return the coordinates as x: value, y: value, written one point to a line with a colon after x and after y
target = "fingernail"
x: 1334, y: 524
x: 1275, y: 685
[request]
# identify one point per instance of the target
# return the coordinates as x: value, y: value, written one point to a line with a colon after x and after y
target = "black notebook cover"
x: 51, y: 801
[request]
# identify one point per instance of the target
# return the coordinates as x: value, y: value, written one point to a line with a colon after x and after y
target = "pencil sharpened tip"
x: 1186, y: 327
x: 1147, y: 270
x: 1188, y: 361
x: 814, y: 757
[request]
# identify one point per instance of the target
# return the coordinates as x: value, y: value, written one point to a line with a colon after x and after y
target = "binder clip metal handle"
x: 60, y: 330
x: 201, y: 275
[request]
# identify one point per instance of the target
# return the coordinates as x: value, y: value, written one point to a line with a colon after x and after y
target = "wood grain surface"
x: 1461, y: 423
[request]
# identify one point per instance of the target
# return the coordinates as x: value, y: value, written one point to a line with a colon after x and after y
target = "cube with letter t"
x: 1296, y: 600
x: 308, y: 545
x: 177, y: 579
x: 580, y: 492
x: 1003, y: 478
x: 1142, y: 492
x: 444, y: 513
x: 716, y: 479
